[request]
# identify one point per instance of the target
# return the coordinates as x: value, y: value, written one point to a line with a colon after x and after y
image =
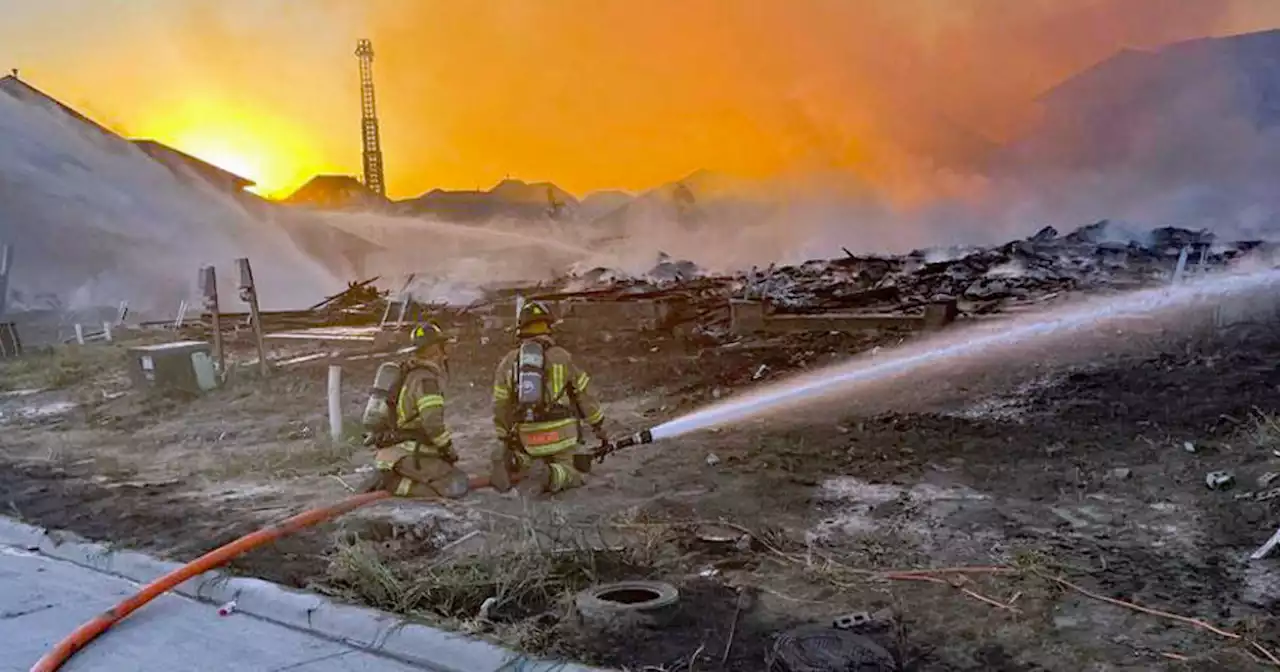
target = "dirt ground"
x: 1060, y: 488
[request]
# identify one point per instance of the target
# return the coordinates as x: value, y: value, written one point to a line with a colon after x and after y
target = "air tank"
x: 377, y: 412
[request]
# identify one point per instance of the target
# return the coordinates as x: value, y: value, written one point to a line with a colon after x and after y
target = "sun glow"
x: 237, y: 137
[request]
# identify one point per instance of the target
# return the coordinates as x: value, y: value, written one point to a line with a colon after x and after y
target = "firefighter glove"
x: 600, y: 432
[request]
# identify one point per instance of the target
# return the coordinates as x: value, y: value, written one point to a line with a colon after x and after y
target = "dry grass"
x: 519, y: 592
x: 316, y: 456
x: 64, y: 366
x: 1263, y: 432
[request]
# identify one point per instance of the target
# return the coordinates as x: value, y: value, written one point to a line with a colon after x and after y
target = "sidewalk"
x: 52, y: 582
x: 42, y: 600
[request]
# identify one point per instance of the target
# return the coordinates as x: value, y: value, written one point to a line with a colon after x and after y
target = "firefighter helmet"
x: 535, y: 318
x: 426, y: 335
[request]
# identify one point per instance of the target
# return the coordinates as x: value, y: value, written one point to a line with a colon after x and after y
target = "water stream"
x: 1066, y: 325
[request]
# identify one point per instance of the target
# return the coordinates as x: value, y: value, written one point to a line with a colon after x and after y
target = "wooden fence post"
x: 249, y: 294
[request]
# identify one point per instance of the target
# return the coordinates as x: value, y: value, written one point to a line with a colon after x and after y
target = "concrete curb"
x: 362, y: 628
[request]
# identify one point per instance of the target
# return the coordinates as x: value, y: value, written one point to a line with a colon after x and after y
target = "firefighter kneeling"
x: 405, y: 419
x: 539, y: 398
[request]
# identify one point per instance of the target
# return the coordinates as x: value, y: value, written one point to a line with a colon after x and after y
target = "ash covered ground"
x: 1066, y: 481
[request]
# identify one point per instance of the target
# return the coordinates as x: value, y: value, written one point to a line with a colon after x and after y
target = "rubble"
x: 1219, y: 480
x: 1042, y: 267
x: 678, y: 296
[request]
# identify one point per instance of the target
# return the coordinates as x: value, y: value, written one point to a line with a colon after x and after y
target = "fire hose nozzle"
x: 643, y: 436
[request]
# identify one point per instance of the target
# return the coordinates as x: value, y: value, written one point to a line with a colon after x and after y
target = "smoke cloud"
x: 598, y: 94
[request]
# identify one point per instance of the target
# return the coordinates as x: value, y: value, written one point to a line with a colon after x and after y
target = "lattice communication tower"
x: 369, y: 121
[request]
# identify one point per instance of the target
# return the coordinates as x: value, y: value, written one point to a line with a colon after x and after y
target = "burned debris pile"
x: 1099, y: 257
x: 848, y: 293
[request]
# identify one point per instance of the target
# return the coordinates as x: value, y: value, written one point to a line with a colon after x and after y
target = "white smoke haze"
x: 94, y: 221
x: 451, y: 262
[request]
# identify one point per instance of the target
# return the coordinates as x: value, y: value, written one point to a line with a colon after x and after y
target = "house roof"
x: 161, y: 153
x: 23, y: 91
x: 173, y: 157
x: 325, y: 188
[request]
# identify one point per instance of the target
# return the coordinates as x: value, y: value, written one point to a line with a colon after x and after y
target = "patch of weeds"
x: 322, y: 456
x: 519, y: 592
x: 319, y: 455
x: 61, y: 367
x: 1263, y: 432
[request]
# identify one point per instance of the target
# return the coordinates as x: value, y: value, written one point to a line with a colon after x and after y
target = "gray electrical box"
x: 185, y: 366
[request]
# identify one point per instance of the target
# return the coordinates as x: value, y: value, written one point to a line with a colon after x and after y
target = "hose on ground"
x: 86, y: 633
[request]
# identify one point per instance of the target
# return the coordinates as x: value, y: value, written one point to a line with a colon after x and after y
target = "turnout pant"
x: 552, y: 473
x: 405, y: 474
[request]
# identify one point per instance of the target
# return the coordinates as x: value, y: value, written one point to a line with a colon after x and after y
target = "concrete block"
x: 746, y: 317
x: 939, y: 314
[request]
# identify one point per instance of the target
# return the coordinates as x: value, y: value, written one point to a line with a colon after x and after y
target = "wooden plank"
x: 839, y: 322
x: 1266, y: 548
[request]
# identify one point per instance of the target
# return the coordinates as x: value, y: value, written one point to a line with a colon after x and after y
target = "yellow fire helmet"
x: 535, y: 318
x: 426, y: 335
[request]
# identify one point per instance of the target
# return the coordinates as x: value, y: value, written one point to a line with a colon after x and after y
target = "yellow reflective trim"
x: 553, y: 448
x: 560, y: 476
x: 384, y: 465
x: 557, y: 380
x: 547, y: 425
x: 403, y: 409
x: 404, y: 487
x: 442, y: 440
x: 596, y: 418
x: 430, y: 401
x: 581, y: 383
x: 501, y: 393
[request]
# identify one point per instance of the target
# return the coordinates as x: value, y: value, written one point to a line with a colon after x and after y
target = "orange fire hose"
x: 86, y: 633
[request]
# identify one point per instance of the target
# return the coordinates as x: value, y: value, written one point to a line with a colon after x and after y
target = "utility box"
x: 185, y: 366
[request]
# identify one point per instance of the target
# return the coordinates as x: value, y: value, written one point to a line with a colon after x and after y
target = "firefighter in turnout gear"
x: 540, y: 397
x: 415, y: 455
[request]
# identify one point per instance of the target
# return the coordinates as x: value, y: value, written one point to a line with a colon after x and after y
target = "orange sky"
x: 590, y: 94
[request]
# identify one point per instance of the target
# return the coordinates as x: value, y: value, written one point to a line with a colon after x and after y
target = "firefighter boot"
x: 501, y: 469
x: 373, y: 482
x: 536, y: 480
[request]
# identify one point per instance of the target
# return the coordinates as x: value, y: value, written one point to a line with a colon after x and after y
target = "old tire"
x: 816, y: 648
x: 627, y: 605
